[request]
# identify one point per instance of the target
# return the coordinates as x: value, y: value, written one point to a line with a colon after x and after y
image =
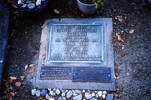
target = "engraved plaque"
x: 71, y: 44
x: 56, y: 73
x: 88, y: 74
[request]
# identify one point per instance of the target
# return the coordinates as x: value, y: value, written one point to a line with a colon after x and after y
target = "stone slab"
x: 79, y: 55
x: 4, y: 18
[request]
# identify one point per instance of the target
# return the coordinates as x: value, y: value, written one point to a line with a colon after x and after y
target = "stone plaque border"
x: 68, y: 84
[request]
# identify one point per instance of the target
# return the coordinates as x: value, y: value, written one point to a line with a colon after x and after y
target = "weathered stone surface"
x: 79, y: 55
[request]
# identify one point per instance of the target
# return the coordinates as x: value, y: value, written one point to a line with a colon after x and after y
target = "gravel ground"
x: 132, y: 49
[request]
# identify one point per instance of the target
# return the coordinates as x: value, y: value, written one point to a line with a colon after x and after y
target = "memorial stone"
x: 78, y: 55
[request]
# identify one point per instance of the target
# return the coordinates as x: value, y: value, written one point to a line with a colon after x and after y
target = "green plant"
x: 99, y: 3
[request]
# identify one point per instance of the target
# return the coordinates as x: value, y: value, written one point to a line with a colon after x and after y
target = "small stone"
x: 95, y: 91
x: 47, y: 97
x: 99, y: 93
x: 69, y: 94
x: 38, y: 93
x: 93, y: 99
x: 78, y: 92
x: 20, y: 2
x: 103, y: 96
x: 31, y: 5
x: 33, y: 91
x: 24, y: 5
x: 51, y: 99
x: 83, y: 91
x: 88, y: 95
x: 109, y: 97
x: 58, y: 91
x: 93, y: 94
x: 61, y: 98
x: 96, y: 95
x: 78, y: 97
x: 49, y: 89
x: 104, y: 92
x: 62, y: 90
x: 63, y: 94
x: 44, y: 92
x: 38, y: 2
x: 52, y: 93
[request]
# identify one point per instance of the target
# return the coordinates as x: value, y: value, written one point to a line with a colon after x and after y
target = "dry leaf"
x: 10, y: 81
x: 22, y: 77
x: 56, y: 11
x: 117, y: 77
x: 31, y: 65
x: 18, y: 84
x: 116, y: 95
x: 131, y: 31
x: 31, y: 71
x: 42, y: 63
x: 31, y: 80
x: 123, y: 47
x: 42, y: 26
x: 12, y: 78
x: 14, y: 6
x: 119, y: 18
x: 44, y: 56
x: 12, y: 94
x: 119, y: 38
x: 6, y: 84
x: 25, y: 32
x: 26, y: 67
x: 10, y: 98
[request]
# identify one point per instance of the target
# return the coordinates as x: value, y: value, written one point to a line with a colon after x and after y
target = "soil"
x: 132, y: 53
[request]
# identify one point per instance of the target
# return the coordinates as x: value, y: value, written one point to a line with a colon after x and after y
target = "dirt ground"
x: 132, y: 51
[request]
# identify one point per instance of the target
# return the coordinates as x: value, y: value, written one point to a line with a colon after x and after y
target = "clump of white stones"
x: 30, y: 4
x: 60, y: 94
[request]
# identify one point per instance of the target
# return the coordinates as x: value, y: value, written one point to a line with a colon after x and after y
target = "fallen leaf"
x: 56, y: 11
x: 26, y: 67
x: 14, y: 6
x: 119, y: 38
x: 131, y: 31
x: 25, y: 32
x: 10, y: 98
x: 22, y: 77
x: 31, y: 71
x: 31, y: 80
x: 18, y: 84
x: 12, y: 94
x: 116, y: 95
x: 123, y: 47
x: 31, y: 65
x: 6, y: 84
x: 42, y: 63
x: 10, y: 81
x: 117, y: 77
x: 119, y: 18
x: 44, y: 56
x: 12, y: 78
x: 42, y: 26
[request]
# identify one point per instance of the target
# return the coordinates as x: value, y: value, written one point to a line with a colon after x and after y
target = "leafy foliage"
x: 99, y: 3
